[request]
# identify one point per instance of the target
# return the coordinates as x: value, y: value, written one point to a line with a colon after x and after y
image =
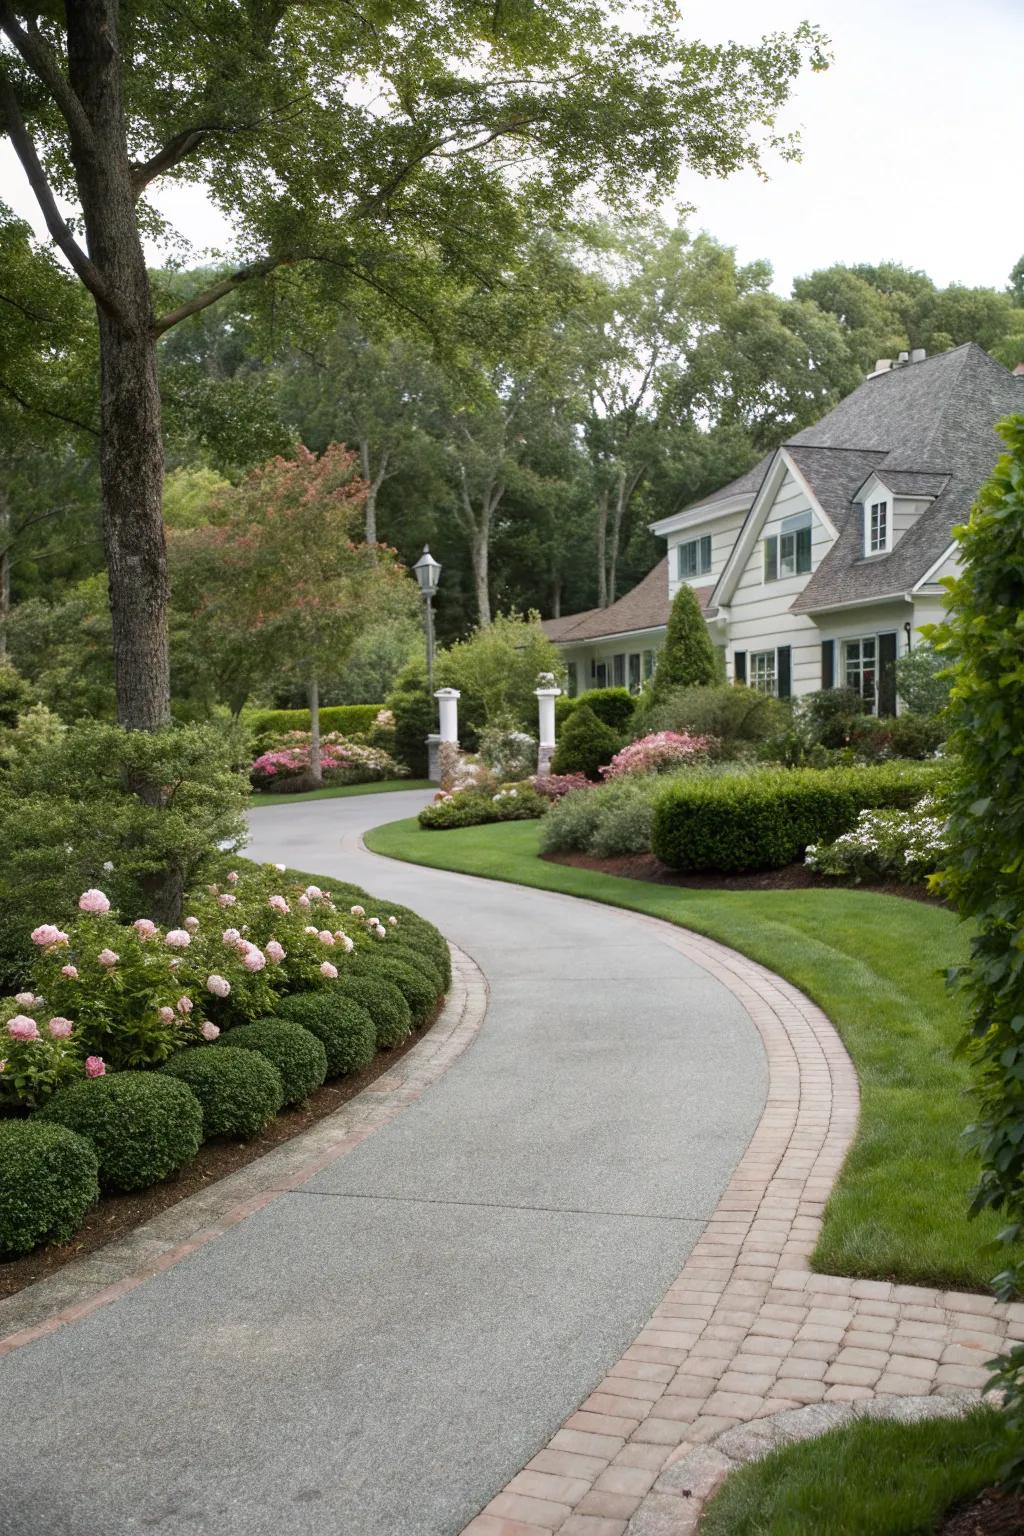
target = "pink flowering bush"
x: 36, y: 1052
x: 342, y: 762
x: 657, y: 753
x: 554, y: 785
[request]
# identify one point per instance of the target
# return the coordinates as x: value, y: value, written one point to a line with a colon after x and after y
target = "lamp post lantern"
x: 427, y: 571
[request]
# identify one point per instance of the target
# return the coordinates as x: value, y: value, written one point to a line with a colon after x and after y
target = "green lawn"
x: 338, y: 791
x: 871, y: 1477
x: 874, y: 963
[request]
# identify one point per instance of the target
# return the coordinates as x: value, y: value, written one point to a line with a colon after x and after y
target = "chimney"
x: 883, y: 365
x: 904, y: 357
x: 918, y: 355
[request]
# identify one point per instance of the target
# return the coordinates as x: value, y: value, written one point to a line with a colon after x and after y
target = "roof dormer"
x: 889, y: 506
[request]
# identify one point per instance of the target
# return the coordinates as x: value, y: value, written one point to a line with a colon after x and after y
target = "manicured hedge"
x: 298, y: 1056
x: 765, y: 820
x: 386, y: 1005
x: 418, y: 982
x: 349, y: 719
x: 343, y: 1027
x: 48, y: 1180
x: 614, y: 706
x: 143, y: 1126
x: 239, y: 1092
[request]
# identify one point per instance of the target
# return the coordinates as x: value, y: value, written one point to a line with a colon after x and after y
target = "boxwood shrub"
x: 413, y: 943
x: 299, y: 1057
x: 586, y: 744
x: 48, y: 1180
x: 239, y: 1092
x: 386, y: 1005
x: 417, y: 981
x: 615, y: 706
x: 143, y: 1126
x: 343, y: 1027
x: 349, y: 719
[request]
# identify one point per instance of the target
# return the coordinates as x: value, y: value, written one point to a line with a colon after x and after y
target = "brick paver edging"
x: 747, y: 1331
x: 99, y: 1279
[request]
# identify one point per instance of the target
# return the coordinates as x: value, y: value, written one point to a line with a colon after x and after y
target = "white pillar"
x: 448, y: 708
x: 546, y: 722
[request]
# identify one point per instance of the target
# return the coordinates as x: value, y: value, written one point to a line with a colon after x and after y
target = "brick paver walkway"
x: 747, y: 1330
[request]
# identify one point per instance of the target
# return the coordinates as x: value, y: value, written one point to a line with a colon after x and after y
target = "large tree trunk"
x: 131, y: 448
x: 480, y: 554
x: 602, y: 549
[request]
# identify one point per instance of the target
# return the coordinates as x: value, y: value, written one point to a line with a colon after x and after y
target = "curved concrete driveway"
x: 378, y: 1352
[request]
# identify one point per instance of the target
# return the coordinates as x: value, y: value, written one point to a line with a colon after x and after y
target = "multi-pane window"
x: 762, y: 671
x: 788, y: 552
x: 860, y: 660
x: 634, y: 672
x: 878, y: 527
x: 619, y: 671
x: 695, y: 557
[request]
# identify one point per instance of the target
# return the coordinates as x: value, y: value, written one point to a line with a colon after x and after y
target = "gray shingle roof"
x: 645, y: 606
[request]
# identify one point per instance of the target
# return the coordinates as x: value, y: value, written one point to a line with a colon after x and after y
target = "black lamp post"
x: 427, y: 571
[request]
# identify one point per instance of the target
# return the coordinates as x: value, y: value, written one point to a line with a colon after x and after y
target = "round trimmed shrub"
x: 143, y: 1126
x: 421, y: 960
x: 300, y: 1059
x: 343, y: 1027
x: 418, y: 983
x: 586, y: 744
x: 239, y: 1092
x: 386, y: 1005
x: 48, y: 1180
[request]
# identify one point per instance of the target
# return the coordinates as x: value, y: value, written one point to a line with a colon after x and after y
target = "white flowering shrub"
x: 509, y: 752
x: 886, y: 845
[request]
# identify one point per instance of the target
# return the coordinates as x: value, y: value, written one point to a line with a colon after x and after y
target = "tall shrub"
x: 985, y: 876
x: 688, y: 659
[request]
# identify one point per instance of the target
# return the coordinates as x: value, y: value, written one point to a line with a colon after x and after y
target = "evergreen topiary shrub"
x: 419, y: 984
x: 343, y: 1027
x: 239, y: 1092
x: 586, y: 745
x: 48, y: 1181
x: 387, y: 1007
x: 298, y: 1056
x: 615, y: 706
x: 688, y: 658
x: 143, y: 1126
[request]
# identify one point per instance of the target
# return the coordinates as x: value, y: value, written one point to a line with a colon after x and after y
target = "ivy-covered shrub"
x: 419, y: 984
x: 387, y: 1007
x: 476, y: 808
x: 48, y: 1181
x: 886, y: 845
x: 239, y: 1092
x: 615, y: 706
x: 586, y: 744
x: 144, y: 1126
x: 343, y: 1027
x: 298, y: 1056
x: 984, y: 875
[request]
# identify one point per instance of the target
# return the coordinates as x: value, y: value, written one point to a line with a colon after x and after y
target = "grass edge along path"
x: 337, y: 792
x: 874, y: 963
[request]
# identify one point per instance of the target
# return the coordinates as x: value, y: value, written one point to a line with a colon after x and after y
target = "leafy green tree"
x: 688, y: 658
x: 985, y: 876
x: 871, y: 319
x: 64, y: 649
x: 481, y: 120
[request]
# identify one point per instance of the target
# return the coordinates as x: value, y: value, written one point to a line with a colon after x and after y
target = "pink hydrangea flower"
x: 21, y: 1027
x: 60, y: 1028
x: 254, y: 959
x: 231, y: 935
x: 326, y: 936
x: 303, y: 901
x: 358, y: 911
x: 178, y: 938
x: 280, y: 868
x: 167, y: 1015
x: 26, y: 999
x: 208, y: 1031
x: 233, y: 877
x: 144, y: 927
x: 218, y: 985
x: 345, y: 942
x: 329, y: 970
x: 279, y: 904
x: 275, y: 952
x: 191, y: 923
x: 392, y: 922
x: 70, y: 971
x: 108, y: 958
x: 185, y: 1005
x: 309, y: 929
x: 226, y: 900
x: 47, y: 933
x: 93, y: 901
x: 313, y: 891
x: 95, y: 1066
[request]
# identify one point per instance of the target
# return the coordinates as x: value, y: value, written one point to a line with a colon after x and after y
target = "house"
x: 817, y: 567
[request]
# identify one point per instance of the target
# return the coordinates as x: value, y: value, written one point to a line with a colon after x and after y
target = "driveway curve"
x: 377, y: 1352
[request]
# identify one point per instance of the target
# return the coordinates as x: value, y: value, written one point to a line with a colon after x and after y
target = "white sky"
x: 911, y: 144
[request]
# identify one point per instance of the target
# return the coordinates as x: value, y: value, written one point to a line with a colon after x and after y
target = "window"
x: 762, y: 671
x: 619, y: 671
x: 788, y: 552
x: 877, y: 530
x: 634, y: 672
x: 695, y: 557
x: 600, y: 674
x: 571, y: 681
x: 648, y: 664
x: 860, y: 662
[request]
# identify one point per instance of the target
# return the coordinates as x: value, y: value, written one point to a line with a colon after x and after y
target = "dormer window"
x: 876, y: 528
x: 695, y: 557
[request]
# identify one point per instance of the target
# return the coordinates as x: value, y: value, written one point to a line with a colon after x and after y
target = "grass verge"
x: 875, y: 964
x: 871, y: 1476
x: 338, y: 792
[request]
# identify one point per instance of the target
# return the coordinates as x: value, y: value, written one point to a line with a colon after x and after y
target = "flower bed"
x: 657, y: 753
x: 342, y: 761
x: 907, y: 846
x: 110, y: 1003
x: 474, y: 807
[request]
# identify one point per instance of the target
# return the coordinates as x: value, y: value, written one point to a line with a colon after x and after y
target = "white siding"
x: 905, y: 513
x: 723, y: 531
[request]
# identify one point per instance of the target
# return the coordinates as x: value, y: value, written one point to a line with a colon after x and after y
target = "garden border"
x: 87, y: 1284
x: 748, y: 1331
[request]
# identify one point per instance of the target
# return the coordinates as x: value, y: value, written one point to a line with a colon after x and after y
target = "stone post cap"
x: 547, y: 693
x: 447, y: 693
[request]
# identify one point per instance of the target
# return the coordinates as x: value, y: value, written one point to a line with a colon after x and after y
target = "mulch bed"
x: 794, y: 877
x: 116, y: 1215
x: 992, y: 1513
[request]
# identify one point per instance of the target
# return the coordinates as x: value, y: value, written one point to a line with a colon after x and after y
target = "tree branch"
x: 165, y: 159
x: 203, y: 301
x: 45, y: 410
x: 45, y: 64
x: 58, y: 228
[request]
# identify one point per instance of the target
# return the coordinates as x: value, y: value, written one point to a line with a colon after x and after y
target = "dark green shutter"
x: 784, y: 671
x: 705, y: 555
x: 803, y: 550
x: 771, y: 559
x: 828, y: 663
x: 739, y: 666
x: 887, y: 674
